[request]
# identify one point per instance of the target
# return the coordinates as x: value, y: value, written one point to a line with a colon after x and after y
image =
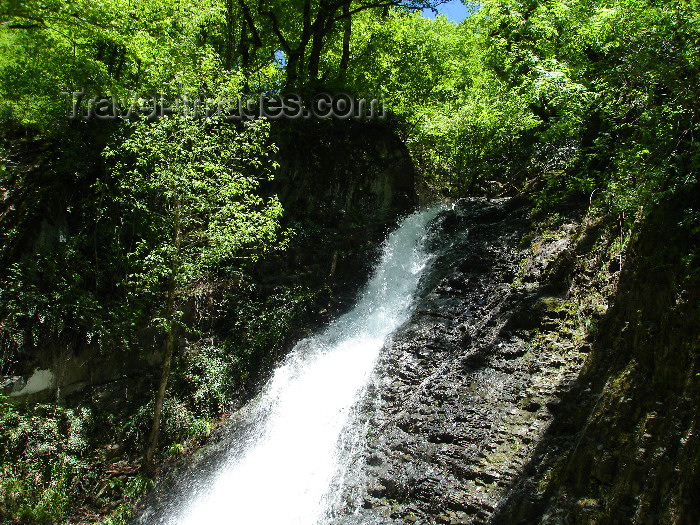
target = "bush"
x: 44, y: 461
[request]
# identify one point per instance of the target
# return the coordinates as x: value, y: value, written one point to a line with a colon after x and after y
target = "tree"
x: 192, y: 185
x: 302, y: 28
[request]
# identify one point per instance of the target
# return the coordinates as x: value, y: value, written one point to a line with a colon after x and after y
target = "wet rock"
x: 624, y: 447
x: 469, y: 395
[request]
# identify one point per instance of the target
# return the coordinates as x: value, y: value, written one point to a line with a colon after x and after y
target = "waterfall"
x: 292, y: 453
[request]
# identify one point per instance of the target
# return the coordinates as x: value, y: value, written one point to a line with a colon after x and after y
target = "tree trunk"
x: 295, y: 63
x: 315, y: 56
x: 230, y: 21
x: 152, y: 443
x: 120, y: 64
x: 319, y: 30
x: 345, y: 58
x: 244, y: 53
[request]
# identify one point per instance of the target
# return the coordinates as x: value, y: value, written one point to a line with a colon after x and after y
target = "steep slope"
x: 516, y: 395
x: 467, y: 386
x: 626, y: 448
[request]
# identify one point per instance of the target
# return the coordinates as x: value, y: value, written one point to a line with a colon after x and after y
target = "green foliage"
x: 122, y: 46
x: 46, y: 461
x: 258, y: 329
x: 474, y: 140
x: 610, y: 84
x: 31, y: 314
x: 190, y: 186
x: 461, y: 122
x: 586, y: 97
x: 589, y: 95
x: 208, y: 379
x: 178, y: 417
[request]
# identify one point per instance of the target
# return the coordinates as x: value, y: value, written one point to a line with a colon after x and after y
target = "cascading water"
x: 283, y: 471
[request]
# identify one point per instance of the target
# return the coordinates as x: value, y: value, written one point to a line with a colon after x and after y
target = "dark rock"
x: 627, y: 450
x: 451, y: 422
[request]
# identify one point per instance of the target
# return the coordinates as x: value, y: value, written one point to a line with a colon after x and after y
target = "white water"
x: 283, y: 475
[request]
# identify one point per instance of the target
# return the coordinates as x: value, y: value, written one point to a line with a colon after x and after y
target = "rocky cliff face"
x: 467, y: 390
x: 343, y: 174
x: 515, y: 396
x: 625, y: 447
